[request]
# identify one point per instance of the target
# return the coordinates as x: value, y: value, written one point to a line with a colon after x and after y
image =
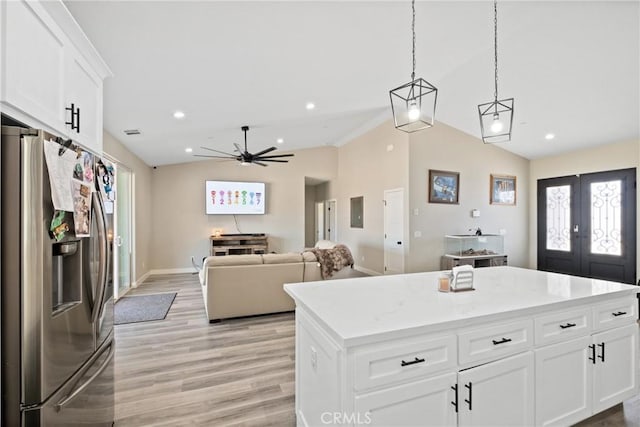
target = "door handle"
x: 101, y: 222
x: 576, y: 228
x: 399, y: 243
x: 601, y: 355
x: 592, y: 347
x: 469, y: 387
x: 119, y: 241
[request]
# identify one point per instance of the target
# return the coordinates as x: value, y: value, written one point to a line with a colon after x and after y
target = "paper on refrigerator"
x: 60, y: 174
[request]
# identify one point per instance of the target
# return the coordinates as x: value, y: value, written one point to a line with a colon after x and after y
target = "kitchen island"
x: 525, y: 348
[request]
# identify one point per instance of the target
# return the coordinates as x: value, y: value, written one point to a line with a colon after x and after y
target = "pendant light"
x: 413, y: 104
x: 496, y: 118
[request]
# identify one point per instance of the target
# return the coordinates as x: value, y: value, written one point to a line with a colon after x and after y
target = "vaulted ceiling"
x: 573, y: 68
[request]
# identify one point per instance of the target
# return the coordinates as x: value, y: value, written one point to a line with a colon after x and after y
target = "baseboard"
x: 366, y: 271
x: 172, y: 271
x: 141, y: 280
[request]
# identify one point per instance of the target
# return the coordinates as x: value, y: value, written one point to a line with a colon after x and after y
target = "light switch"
x: 475, y: 213
x: 417, y: 234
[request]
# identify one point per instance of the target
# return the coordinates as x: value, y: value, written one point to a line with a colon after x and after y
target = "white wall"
x: 606, y: 157
x: 182, y: 229
x: 142, y: 202
x: 445, y: 148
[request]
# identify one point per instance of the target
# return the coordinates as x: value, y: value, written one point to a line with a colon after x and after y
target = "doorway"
x: 319, y: 222
x: 394, y: 231
x: 587, y: 225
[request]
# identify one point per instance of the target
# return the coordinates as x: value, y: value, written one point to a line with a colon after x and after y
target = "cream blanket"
x: 333, y: 260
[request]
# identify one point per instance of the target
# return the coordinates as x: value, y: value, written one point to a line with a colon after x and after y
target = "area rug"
x: 142, y: 308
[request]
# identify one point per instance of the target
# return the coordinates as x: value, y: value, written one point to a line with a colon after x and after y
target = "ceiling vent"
x: 132, y: 132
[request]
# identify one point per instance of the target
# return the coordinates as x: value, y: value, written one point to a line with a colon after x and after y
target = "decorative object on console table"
x: 444, y: 186
x: 238, y: 244
x: 486, y: 250
x: 503, y: 190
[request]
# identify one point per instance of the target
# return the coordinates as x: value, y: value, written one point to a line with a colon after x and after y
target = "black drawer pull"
x: 601, y: 356
x: 413, y: 362
x: 592, y: 347
x: 469, y: 400
x: 568, y: 325
x: 502, y: 341
x: 620, y: 313
x: 455, y: 402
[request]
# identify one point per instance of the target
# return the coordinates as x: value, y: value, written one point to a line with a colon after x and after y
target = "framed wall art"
x: 444, y: 186
x: 503, y: 190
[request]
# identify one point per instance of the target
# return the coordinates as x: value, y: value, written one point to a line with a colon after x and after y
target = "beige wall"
x: 445, y: 148
x: 368, y: 165
x: 182, y: 229
x: 607, y: 157
x: 142, y: 202
x: 309, y: 215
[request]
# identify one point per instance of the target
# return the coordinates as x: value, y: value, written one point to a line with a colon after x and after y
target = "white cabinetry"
x: 51, y: 74
x: 498, y: 393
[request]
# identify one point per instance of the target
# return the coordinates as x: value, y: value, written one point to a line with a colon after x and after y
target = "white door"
x: 394, y: 231
x: 615, y: 375
x: 319, y: 221
x: 331, y: 226
x: 420, y: 403
x: 567, y: 401
x: 123, y: 241
x: 498, y: 393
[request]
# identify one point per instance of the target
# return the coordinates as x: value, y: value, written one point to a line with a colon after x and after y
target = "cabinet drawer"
x: 495, y: 340
x: 402, y: 360
x: 556, y: 327
x: 615, y: 313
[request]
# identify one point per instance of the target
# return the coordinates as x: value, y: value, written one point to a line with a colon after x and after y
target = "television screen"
x: 229, y: 198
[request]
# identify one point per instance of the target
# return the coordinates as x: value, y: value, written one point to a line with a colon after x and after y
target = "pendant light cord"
x: 495, y: 47
x: 413, y: 32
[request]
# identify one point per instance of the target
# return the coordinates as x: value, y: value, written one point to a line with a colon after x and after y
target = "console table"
x: 238, y: 244
x: 525, y: 348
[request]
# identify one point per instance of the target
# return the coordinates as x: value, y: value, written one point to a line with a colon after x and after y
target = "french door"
x: 587, y: 225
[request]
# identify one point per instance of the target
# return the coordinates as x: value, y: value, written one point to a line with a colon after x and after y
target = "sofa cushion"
x: 325, y: 244
x: 215, y: 261
x: 309, y: 256
x: 281, y: 258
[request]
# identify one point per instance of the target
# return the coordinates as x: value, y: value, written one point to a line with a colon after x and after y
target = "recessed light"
x: 549, y: 136
x: 279, y: 140
x: 188, y: 150
x: 178, y: 115
x: 310, y: 105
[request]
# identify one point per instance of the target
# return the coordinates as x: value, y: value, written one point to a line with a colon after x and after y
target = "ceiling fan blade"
x: 217, y: 151
x: 258, y: 163
x: 216, y: 157
x: 238, y: 148
x: 276, y: 156
x: 268, y: 150
x: 272, y: 160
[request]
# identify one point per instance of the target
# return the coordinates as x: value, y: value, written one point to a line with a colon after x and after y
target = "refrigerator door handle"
x: 104, y: 256
x: 68, y: 398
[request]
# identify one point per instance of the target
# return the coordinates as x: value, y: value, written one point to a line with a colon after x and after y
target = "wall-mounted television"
x: 230, y: 198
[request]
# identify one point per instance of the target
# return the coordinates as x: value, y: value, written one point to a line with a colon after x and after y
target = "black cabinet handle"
x: 568, y: 325
x: 399, y: 243
x: 413, y: 362
x: 75, y: 117
x: 502, y: 341
x: 601, y: 356
x: 592, y: 347
x: 619, y: 313
x: 469, y: 386
x: 455, y: 401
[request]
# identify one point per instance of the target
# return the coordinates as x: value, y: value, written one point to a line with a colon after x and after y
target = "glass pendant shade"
x: 414, y: 105
x: 496, y: 120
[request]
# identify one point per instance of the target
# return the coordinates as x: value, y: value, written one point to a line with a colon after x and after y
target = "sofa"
x: 247, y: 285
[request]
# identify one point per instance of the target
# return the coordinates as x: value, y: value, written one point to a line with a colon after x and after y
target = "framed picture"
x: 444, y: 187
x: 503, y: 190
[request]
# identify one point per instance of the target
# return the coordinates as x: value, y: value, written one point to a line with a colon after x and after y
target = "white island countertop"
x: 360, y: 310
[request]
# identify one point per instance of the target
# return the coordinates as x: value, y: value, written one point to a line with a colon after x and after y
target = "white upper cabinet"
x: 51, y: 74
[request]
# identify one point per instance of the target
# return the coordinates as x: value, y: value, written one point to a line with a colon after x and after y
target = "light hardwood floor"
x: 184, y: 371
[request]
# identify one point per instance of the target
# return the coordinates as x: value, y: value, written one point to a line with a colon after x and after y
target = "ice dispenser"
x: 66, y: 275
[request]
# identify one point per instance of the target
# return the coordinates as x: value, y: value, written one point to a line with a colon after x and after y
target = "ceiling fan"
x: 247, y: 158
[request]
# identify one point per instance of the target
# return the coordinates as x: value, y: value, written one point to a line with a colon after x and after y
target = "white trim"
x: 366, y: 271
x: 141, y: 280
x: 172, y: 271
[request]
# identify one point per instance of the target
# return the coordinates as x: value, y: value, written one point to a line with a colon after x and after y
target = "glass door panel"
x: 606, y: 216
x: 559, y: 218
x: 123, y: 236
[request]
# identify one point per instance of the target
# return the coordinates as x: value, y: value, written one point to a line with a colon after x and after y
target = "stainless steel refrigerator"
x: 56, y: 295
